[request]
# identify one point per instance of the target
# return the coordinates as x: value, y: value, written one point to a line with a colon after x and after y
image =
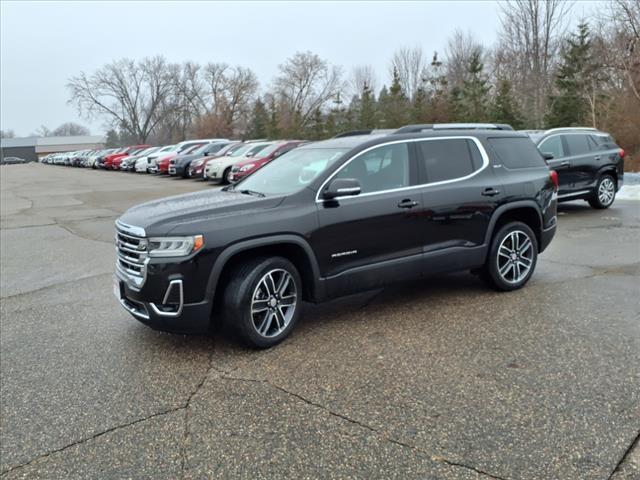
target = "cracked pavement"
x: 442, y: 379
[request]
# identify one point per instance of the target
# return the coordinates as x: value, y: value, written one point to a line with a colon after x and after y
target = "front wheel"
x: 226, y: 176
x: 512, y: 257
x: 262, y: 300
x: 605, y: 193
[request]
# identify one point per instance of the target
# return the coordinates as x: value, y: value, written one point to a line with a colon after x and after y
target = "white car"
x: 219, y: 169
x: 177, y: 149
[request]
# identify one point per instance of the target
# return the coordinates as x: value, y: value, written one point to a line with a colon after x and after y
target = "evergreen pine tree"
x: 419, y: 106
x: 367, y: 108
x: 504, y: 108
x: 395, y: 110
x: 439, y: 110
x: 383, y: 101
x: 273, y: 126
x: 569, y: 107
x: 317, y: 130
x: 475, y: 92
x: 259, y: 127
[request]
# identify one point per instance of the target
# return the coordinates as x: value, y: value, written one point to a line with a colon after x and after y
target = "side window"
x: 383, y: 168
x: 448, y: 159
x: 553, y: 145
x: 517, y: 152
x: 578, y: 144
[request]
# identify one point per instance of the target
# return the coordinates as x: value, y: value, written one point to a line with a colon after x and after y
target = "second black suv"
x: 590, y: 165
x: 336, y: 217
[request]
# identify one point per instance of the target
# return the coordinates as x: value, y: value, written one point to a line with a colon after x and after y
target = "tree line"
x: 537, y: 75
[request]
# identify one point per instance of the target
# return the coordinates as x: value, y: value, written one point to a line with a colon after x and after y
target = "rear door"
x: 583, y: 158
x: 555, y: 145
x: 459, y: 195
x: 373, y: 238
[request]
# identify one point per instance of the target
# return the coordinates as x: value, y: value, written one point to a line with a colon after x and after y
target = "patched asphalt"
x: 442, y: 378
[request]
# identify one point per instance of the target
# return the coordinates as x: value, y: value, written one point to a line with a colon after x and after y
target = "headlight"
x: 246, y: 167
x: 174, y: 246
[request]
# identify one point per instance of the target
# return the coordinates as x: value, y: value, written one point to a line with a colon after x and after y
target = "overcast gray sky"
x: 44, y: 43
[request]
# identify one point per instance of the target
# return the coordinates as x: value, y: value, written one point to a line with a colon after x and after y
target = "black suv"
x: 336, y: 217
x: 590, y: 165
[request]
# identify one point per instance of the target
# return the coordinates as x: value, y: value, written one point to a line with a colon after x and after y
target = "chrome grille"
x: 131, y: 251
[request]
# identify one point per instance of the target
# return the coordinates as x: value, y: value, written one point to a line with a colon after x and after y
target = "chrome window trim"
x: 483, y: 154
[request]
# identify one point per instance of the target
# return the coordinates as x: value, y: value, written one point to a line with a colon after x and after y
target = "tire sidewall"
x: 492, y: 263
x: 595, y: 200
x: 241, y: 308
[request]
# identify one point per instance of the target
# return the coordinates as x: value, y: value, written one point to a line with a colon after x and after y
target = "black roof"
x: 365, y: 141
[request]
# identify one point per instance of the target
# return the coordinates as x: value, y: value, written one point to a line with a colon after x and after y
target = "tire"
x: 605, y: 193
x: 504, y: 267
x: 225, y: 176
x: 260, y: 316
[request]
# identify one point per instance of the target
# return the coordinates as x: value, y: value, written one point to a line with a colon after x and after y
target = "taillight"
x: 554, y: 178
x: 621, y: 153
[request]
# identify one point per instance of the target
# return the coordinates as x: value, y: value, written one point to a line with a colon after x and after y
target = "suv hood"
x: 159, y: 217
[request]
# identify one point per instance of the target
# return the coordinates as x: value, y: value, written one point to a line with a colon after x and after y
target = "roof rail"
x: 372, y: 131
x: 453, y: 126
x: 591, y: 129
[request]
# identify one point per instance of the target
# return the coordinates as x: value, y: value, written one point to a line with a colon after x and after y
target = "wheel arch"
x: 292, y: 247
x: 526, y: 211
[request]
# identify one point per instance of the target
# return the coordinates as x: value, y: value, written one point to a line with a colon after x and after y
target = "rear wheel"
x: 512, y: 257
x: 605, y: 193
x: 262, y: 300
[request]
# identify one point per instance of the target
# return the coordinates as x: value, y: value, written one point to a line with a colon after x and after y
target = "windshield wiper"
x: 252, y: 192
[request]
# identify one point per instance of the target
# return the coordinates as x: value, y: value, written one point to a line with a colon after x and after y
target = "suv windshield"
x: 292, y: 171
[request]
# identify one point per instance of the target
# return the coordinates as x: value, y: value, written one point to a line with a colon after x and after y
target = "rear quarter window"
x: 516, y: 152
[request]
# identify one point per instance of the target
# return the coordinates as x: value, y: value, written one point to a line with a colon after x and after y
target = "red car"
x: 109, y: 159
x: 163, y: 162
x: 242, y: 169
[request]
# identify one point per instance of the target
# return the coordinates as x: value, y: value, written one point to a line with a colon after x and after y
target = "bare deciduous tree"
x: 460, y: 48
x: 227, y: 95
x: 625, y: 18
x: 70, y: 129
x: 305, y: 84
x: 7, y: 134
x: 530, y: 38
x: 411, y: 65
x: 131, y: 94
x: 362, y: 75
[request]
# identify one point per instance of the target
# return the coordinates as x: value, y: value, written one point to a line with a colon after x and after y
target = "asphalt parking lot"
x: 440, y: 379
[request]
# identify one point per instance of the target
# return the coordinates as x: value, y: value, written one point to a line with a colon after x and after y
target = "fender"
x: 227, y: 253
x: 511, y: 206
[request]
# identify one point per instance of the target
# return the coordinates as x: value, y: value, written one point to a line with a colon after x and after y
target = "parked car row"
x: 588, y: 162
x: 218, y: 159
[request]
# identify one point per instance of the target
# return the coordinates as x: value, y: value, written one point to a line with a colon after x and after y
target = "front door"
x: 374, y: 238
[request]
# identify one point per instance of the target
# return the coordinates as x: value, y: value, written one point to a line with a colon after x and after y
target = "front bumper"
x: 171, y: 315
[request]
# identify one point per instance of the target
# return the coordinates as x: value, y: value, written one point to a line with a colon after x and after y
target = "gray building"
x: 32, y: 148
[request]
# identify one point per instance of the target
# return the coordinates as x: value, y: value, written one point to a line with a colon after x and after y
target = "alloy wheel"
x: 273, y: 303
x: 515, y: 257
x: 606, y: 191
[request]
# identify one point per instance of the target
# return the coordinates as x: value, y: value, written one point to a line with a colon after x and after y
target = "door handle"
x: 490, y: 192
x: 407, y: 203
x: 565, y: 164
x: 597, y: 157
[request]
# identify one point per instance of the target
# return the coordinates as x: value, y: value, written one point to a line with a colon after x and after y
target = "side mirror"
x: 547, y: 156
x: 341, y: 187
x: 206, y: 154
